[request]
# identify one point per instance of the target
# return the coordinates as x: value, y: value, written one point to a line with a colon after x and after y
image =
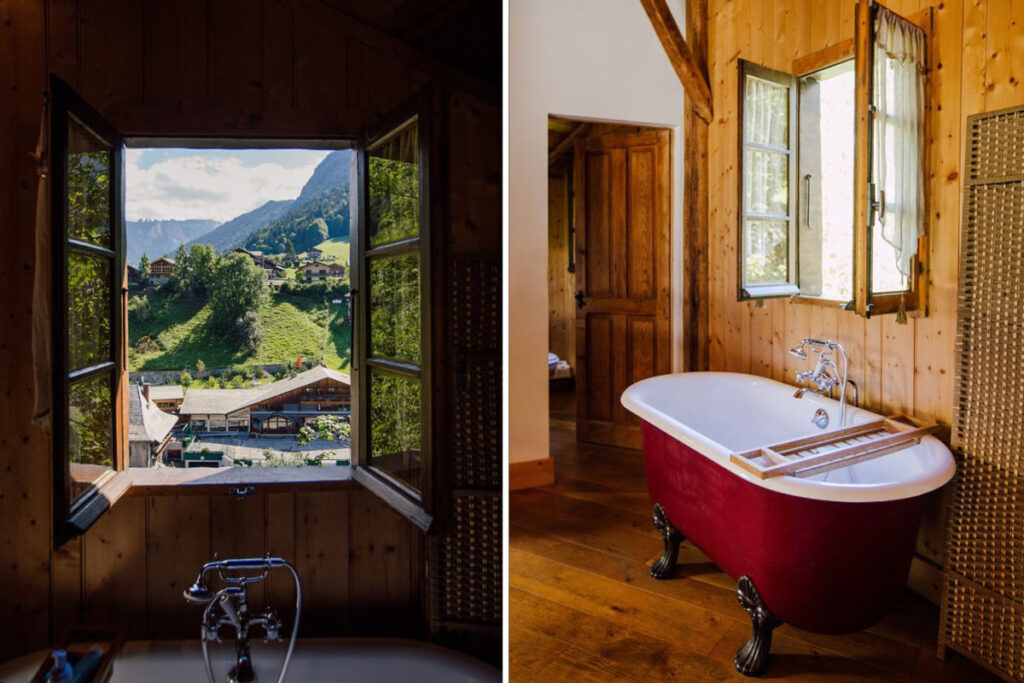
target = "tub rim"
x: 910, y: 487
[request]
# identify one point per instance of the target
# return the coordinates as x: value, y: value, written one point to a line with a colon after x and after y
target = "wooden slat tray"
x: 828, y: 451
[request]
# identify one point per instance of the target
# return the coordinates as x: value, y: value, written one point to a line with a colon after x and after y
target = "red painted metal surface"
x: 823, y: 566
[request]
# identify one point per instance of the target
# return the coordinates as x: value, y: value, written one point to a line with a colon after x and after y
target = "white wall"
x: 585, y: 59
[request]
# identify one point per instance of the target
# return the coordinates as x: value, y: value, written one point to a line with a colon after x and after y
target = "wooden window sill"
x: 204, y: 480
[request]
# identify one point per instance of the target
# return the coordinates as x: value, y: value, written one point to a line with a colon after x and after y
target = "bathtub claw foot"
x: 752, y: 658
x: 665, y: 565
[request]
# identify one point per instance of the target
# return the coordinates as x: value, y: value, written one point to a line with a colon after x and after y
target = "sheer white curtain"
x: 899, y: 72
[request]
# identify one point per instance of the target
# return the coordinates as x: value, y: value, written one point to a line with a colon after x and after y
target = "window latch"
x: 242, y: 492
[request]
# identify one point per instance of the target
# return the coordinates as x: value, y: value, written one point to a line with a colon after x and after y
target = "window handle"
x: 881, y: 205
x: 807, y: 200
x: 580, y: 301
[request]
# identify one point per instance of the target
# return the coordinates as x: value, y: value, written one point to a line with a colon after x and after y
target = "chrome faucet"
x: 826, y: 375
x: 229, y: 607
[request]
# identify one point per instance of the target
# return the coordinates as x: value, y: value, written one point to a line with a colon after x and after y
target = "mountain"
x: 157, y: 238
x: 321, y: 211
x: 330, y: 174
x: 229, y: 235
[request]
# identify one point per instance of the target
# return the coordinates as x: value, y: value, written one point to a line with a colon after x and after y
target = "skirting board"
x: 530, y: 473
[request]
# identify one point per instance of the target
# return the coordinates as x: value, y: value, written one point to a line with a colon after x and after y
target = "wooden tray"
x: 828, y: 451
x: 78, y: 640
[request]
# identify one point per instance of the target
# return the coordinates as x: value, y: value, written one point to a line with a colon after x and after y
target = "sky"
x: 219, y: 184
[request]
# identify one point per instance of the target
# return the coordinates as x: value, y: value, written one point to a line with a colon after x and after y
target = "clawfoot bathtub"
x: 828, y: 553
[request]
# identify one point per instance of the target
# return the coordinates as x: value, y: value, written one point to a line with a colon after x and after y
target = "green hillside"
x: 336, y: 247
x: 176, y: 333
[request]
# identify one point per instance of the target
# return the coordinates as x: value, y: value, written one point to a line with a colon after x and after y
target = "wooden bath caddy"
x: 812, y: 455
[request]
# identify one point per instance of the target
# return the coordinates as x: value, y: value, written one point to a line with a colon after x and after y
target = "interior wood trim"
x: 862, y: 153
x: 695, y: 83
x: 564, y: 146
x: 833, y: 54
x: 531, y: 473
x: 695, y: 322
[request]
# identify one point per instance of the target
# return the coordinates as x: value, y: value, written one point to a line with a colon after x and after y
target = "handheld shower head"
x: 798, y: 351
x: 198, y: 593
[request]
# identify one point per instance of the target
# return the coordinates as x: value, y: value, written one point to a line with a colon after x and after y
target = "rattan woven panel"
x: 472, y: 560
x: 983, y: 603
x: 467, y: 571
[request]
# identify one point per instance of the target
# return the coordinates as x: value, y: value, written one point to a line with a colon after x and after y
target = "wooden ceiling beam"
x: 566, y: 143
x: 695, y: 83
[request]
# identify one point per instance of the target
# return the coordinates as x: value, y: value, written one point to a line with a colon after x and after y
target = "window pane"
x: 395, y: 434
x: 88, y: 187
x: 766, y: 251
x: 766, y: 113
x: 395, y: 307
x: 394, y: 187
x: 885, y: 276
x: 826, y: 182
x: 766, y: 182
x: 88, y: 311
x: 90, y: 438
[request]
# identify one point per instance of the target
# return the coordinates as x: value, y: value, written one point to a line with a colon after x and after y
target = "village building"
x: 281, y: 407
x: 149, y: 428
x: 133, y: 274
x: 314, y: 254
x: 167, y: 397
x: 160, y: 270
x: 317, y: 270
x: 271, y: 269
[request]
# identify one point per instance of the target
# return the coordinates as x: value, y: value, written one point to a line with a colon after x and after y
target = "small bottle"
x: 61, y: 671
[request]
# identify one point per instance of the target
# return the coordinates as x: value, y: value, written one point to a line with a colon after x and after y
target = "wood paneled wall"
x: 357, y: 560
x: 195, y: 68
x: 977, y: 52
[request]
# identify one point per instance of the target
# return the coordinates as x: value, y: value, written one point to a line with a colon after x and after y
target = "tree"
x: 200, y: 366
x: 178, y: 281
x: 329, y: 427
x: 291, y: 255
x: 143, y: 268
x: 238, y: 289
x: 185, y: 378
x: 202, y: 269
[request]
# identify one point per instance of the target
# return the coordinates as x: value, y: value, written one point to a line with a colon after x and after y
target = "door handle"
x: 580, y: 301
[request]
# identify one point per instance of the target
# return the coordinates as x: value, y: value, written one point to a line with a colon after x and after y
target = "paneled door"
x: 623, y: 209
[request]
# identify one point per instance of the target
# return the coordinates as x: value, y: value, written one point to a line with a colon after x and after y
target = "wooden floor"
x: 584, y: 609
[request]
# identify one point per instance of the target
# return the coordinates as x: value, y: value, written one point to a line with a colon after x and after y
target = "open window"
x: 392, y: 265
x: 89, y: 358
x: 832, y: 171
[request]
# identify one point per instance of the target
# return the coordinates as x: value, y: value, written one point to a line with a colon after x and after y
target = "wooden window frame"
x: 73, y: 518
x: 790, y: 287
x: 865, y: 301
x: 417, y: 505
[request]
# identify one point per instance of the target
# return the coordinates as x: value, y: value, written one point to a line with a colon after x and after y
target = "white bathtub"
x: 720, y: 413
x: 347, y: 659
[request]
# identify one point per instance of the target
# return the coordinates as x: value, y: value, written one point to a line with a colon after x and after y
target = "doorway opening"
x: 609, y: 279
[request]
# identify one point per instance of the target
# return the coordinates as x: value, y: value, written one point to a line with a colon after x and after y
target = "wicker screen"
x: 983, y: 601
x: 466, y: 558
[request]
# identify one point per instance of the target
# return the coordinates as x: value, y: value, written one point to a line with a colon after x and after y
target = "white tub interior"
x: 381, y: 660
x: 720, y: 413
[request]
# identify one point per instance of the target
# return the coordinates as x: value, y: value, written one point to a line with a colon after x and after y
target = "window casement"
x: 393, y: 258
x: 392, y: 267
x: 88, y: 309
x: 832, y: 171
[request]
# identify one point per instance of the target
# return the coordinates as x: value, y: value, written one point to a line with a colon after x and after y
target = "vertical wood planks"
x: 235, y: 60
x: 114, y: 555
x: 322, y: 550
x: 381, y: 582
x: 177, y: 545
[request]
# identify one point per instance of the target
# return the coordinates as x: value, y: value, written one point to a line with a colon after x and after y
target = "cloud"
x: 212, y: 184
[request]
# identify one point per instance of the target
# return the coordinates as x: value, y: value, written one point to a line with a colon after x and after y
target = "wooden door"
x: 623, y: 201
